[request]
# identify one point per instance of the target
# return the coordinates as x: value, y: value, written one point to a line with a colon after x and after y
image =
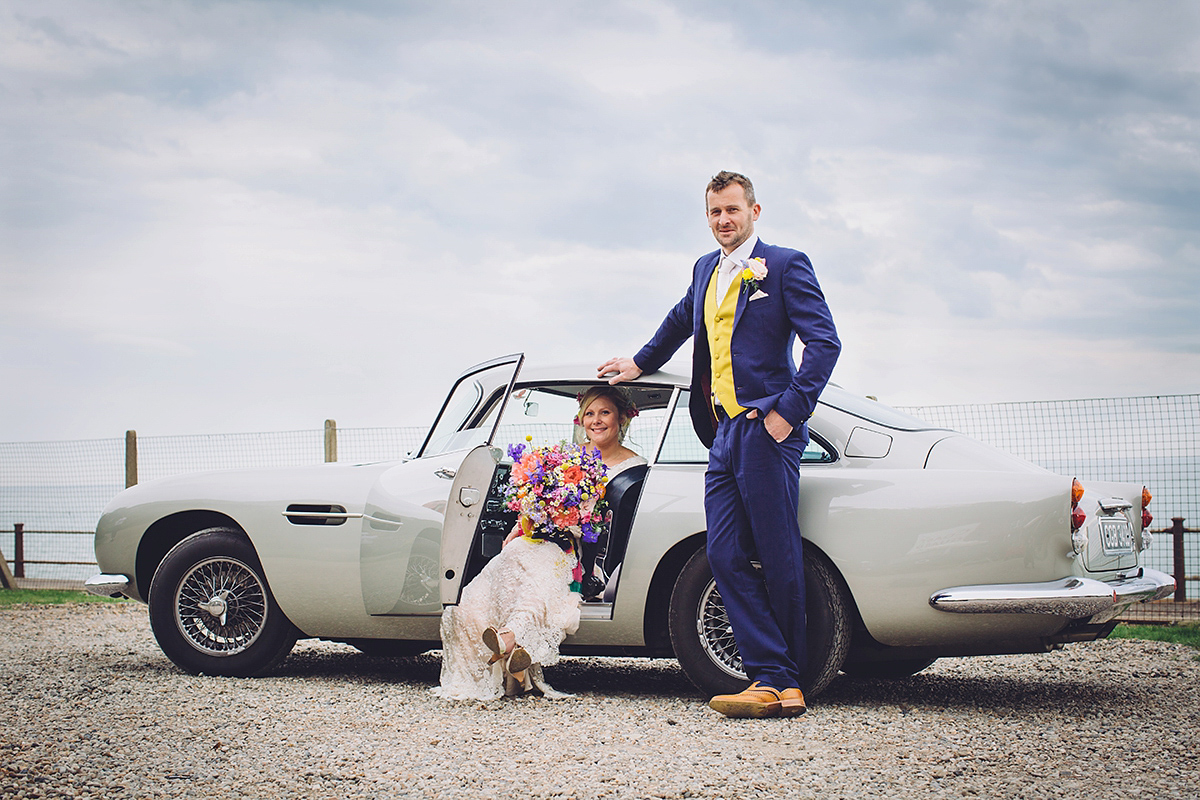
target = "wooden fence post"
x: 6, y: 577
x: 19, y: 549
x: 330, y: 441
x: 1180, y: 572
x: 131, y: 467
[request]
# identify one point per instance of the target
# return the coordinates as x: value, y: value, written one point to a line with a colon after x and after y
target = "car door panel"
x: 401, y: 533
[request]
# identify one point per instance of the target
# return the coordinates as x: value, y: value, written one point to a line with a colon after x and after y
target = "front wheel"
x: 212, y: 611
x: 703, y: 638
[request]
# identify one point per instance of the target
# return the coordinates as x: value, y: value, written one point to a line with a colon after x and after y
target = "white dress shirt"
x: 730, y: 265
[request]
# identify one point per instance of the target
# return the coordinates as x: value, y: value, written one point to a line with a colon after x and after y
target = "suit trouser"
x: 751, y: 494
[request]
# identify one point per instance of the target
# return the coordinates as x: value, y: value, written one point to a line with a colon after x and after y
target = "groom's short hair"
x: 724, y: 179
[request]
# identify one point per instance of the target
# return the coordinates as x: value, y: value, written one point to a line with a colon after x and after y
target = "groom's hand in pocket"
x: 776, y: 425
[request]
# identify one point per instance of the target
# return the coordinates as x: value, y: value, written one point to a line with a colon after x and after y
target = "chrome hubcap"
x: 221, y: 606
x: 215, y: 607
x: 716, y: 634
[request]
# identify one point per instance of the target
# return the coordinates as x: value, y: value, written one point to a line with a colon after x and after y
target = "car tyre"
x: 212, y: 611
x: 900, y: 668
x: 703, y: 641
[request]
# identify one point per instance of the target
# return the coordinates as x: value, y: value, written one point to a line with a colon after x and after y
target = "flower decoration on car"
x: 558, y: 488
x: 753, y: 271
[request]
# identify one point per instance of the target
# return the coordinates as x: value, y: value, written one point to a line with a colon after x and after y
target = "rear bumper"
x: 1072, y: 598
x: 107, y: 585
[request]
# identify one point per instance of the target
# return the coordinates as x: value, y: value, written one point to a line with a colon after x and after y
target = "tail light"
x: 1078, y: 517
x: 1147, y: 518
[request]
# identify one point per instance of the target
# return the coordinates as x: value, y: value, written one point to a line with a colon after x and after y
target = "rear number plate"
x: 1116, y: 536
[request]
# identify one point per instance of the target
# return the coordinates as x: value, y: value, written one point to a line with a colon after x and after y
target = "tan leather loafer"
x: 791, y: 703
x: 756, y: 700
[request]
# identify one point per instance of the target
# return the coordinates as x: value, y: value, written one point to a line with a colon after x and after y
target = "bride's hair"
x: 619, y: 396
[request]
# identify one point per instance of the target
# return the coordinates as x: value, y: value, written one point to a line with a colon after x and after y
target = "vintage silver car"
x: 919, y: 542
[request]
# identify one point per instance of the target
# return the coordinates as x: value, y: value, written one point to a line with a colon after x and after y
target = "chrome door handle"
x: 445, y: 472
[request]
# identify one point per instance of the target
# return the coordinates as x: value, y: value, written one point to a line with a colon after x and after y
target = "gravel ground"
x: 91, y: 708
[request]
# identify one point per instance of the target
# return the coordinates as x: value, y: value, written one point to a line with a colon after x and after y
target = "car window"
x: 446, y: 436
x: 643, y: 431
x: 547, y: 414
x: 463, y: 423
x: 544, y: 415
x: 681, y: 445
x: 816, y: 452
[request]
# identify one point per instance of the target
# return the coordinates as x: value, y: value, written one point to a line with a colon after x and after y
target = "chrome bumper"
x: 107, y: 585
x: 1073, y: 598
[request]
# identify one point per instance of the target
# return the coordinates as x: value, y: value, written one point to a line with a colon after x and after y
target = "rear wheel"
x: 703, y: 639
x: 212, y: 611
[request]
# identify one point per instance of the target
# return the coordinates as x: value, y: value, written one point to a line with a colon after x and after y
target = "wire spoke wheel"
x: 702, y: 636
x: 221, y: 606
x: 212, y: 611
x: 716, y: 634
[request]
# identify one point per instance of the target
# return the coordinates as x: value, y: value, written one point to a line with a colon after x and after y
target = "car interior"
x: 545, y: 414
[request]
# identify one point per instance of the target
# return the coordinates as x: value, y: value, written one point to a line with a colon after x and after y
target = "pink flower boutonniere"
x: 753, y: 271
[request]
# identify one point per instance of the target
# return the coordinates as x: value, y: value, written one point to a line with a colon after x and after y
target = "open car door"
x: 404, y: 521
x: 476, y: 504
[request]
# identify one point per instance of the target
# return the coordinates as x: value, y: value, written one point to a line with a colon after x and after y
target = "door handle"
x: 445, y: 472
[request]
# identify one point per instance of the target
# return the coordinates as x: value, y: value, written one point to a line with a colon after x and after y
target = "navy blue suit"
x: 752, y: 484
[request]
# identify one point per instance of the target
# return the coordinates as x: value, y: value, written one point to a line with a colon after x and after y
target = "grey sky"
x: 257, y: 215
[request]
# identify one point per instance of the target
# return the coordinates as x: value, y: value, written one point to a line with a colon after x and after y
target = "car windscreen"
x: 545, y: 413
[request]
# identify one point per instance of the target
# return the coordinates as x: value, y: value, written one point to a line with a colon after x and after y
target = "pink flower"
x: 757, y: 268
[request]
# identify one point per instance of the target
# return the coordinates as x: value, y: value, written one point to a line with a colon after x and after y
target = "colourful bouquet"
x: 557, y: 488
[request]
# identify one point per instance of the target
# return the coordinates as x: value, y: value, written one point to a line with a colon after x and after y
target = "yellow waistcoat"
x: 718, y: 320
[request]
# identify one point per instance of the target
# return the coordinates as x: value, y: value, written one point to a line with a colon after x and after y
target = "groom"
x: 746, y: 306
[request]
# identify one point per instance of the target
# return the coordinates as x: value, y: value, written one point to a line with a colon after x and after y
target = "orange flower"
x: 565, y: 518
x: 573, y: 474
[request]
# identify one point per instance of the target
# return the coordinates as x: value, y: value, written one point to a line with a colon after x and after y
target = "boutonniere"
x: 753, y: 271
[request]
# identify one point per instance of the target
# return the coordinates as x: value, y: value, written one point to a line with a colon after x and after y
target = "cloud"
x: 238, y: 216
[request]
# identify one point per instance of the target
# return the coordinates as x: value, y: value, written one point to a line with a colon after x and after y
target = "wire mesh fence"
x: 57, y: 490
x: 52, y: 493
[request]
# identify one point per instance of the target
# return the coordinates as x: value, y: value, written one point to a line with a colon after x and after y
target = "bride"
x: 513, y: 616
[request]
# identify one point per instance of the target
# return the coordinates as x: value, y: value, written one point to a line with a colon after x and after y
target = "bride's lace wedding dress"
x: 525, y: 588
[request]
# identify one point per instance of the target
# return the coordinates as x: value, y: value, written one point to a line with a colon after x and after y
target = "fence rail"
x: 55, y: 491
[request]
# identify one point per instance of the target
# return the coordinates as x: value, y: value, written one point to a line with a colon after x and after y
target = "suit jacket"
x: 764, y: 329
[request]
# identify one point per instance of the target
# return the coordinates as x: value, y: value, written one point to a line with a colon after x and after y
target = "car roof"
x: 586, y: 373
x: 833, y: 395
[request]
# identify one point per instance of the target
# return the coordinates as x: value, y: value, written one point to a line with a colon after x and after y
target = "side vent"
x: 316, y: 514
